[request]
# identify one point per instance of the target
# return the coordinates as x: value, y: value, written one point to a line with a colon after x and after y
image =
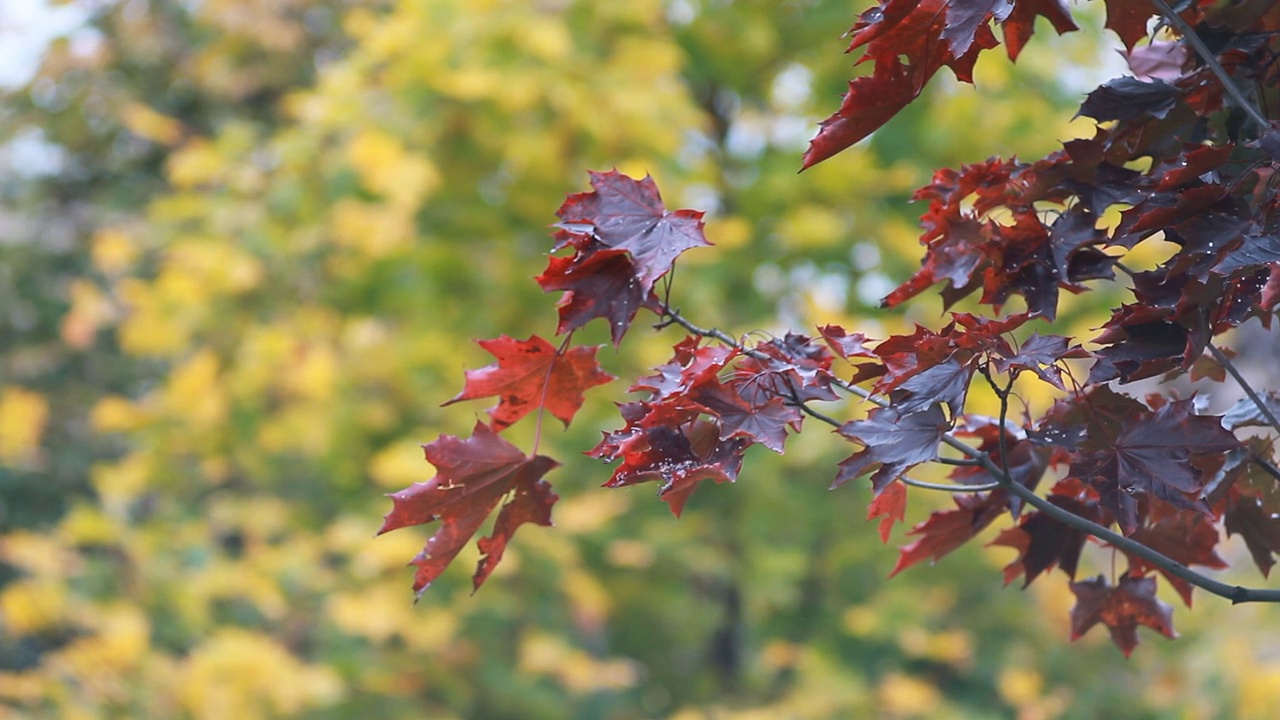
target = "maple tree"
x: 1183, y: 151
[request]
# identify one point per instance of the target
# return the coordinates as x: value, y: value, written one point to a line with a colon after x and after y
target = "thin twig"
x: 950, y: 487
x: 1263, y: 408
x: 1211, y: 61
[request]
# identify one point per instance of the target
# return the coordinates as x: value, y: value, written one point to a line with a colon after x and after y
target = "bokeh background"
x: 244, y: 246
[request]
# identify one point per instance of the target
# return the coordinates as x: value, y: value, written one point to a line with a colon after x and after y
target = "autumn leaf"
x: 1246, y: 517
x: 602, y: 284
x: 947, y: 530
x: 472, y: 477
x: 1043, y: 541
x: 894, y: 442
x: 1121, y: 608
x: 890, y: 505
x: 628, y: 214
x: 530, y: 375
x: 1185, y: 537
x: 1152, y: 452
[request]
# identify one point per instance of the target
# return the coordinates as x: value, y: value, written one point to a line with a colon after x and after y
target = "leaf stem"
x: 1210, y: 60
x: 1263, y: 408
x: 542, y: 397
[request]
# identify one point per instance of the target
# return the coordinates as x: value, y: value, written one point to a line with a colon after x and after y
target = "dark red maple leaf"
x: 1043, y: 541
x: 893, y: 441
x: 1128, y: 18
x: 870, y: 102
x: 472, y: 477
x: 1246, y: 516
x: 628, y: 214
x: 1020, y: 24
x: 1040, y: 354
x: 947, y: 530
x: 679, y: 458
x: 532, y: 374
x: 890, y: 505
x: 1186, y: 537
x: 1127, y: 98
x: 766, y: 423
x: 1152, y: 452
x: 602, y: 284
x: 1121, y: 608
x: 844, y: 343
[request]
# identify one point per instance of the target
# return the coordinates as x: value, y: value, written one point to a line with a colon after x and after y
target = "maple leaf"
x: 1040, y: 354
x: 844, y: 343
x: 678, y: 458
x: 1127, y: 98
x: 894, y: 441
x: 1188, y: 538
x: 1121, y: 608
x: 532, y: 374
x: 869, y: 103
x: 1043, y: 541
x: 1247, y: 413
x: 1246, y: 516
x: 766, y: 424
x: 602, y: 284
x: 628, y: 214
x: 1020, y: 24
x: 472, y: 477
x: 890, y: 505
x: 947, y: 530
x: 1128, y: 18
x: 1152, y: 452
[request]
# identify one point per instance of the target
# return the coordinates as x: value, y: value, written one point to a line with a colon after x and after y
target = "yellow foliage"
x: 147, y: 123
x: 114, y: 251
x: 239, y: 674
x: 399, y: 464
x: 196, y: 163
x: 23, y: 414
x: 907, y: 696
x: 29, y: 606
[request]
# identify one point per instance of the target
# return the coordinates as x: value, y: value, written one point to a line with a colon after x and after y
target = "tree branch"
x: 1235, y: 593
x: 1211, y: 61
x: 1225, y: 362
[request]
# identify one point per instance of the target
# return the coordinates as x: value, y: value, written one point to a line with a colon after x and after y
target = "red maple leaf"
x: 532, y: 374
x: 1151, y: 453
x: 947, y: 530
x: 1246, y: 516
x: 895, y: 442
x: 1043, y: 542
x: 472, y: 477
x: 679, y: 458
x: 1020, y: 24
x: 1188, y: 538
x: 600, y: 284
x: 1128, y: 18
x: 1121, y: 608
x: 890, y: 505
x: 628, y: 214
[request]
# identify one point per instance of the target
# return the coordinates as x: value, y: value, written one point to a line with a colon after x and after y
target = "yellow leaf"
x: 113, y: 251
x: 23, y: 414
x: 147, y: 123
x: 28, y: 606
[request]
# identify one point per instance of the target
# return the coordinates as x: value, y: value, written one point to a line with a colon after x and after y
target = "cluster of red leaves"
x: 622, y: 240
x: 1169, y: 151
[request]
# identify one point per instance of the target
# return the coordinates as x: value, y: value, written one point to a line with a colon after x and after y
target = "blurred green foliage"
x: 232, y: 303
